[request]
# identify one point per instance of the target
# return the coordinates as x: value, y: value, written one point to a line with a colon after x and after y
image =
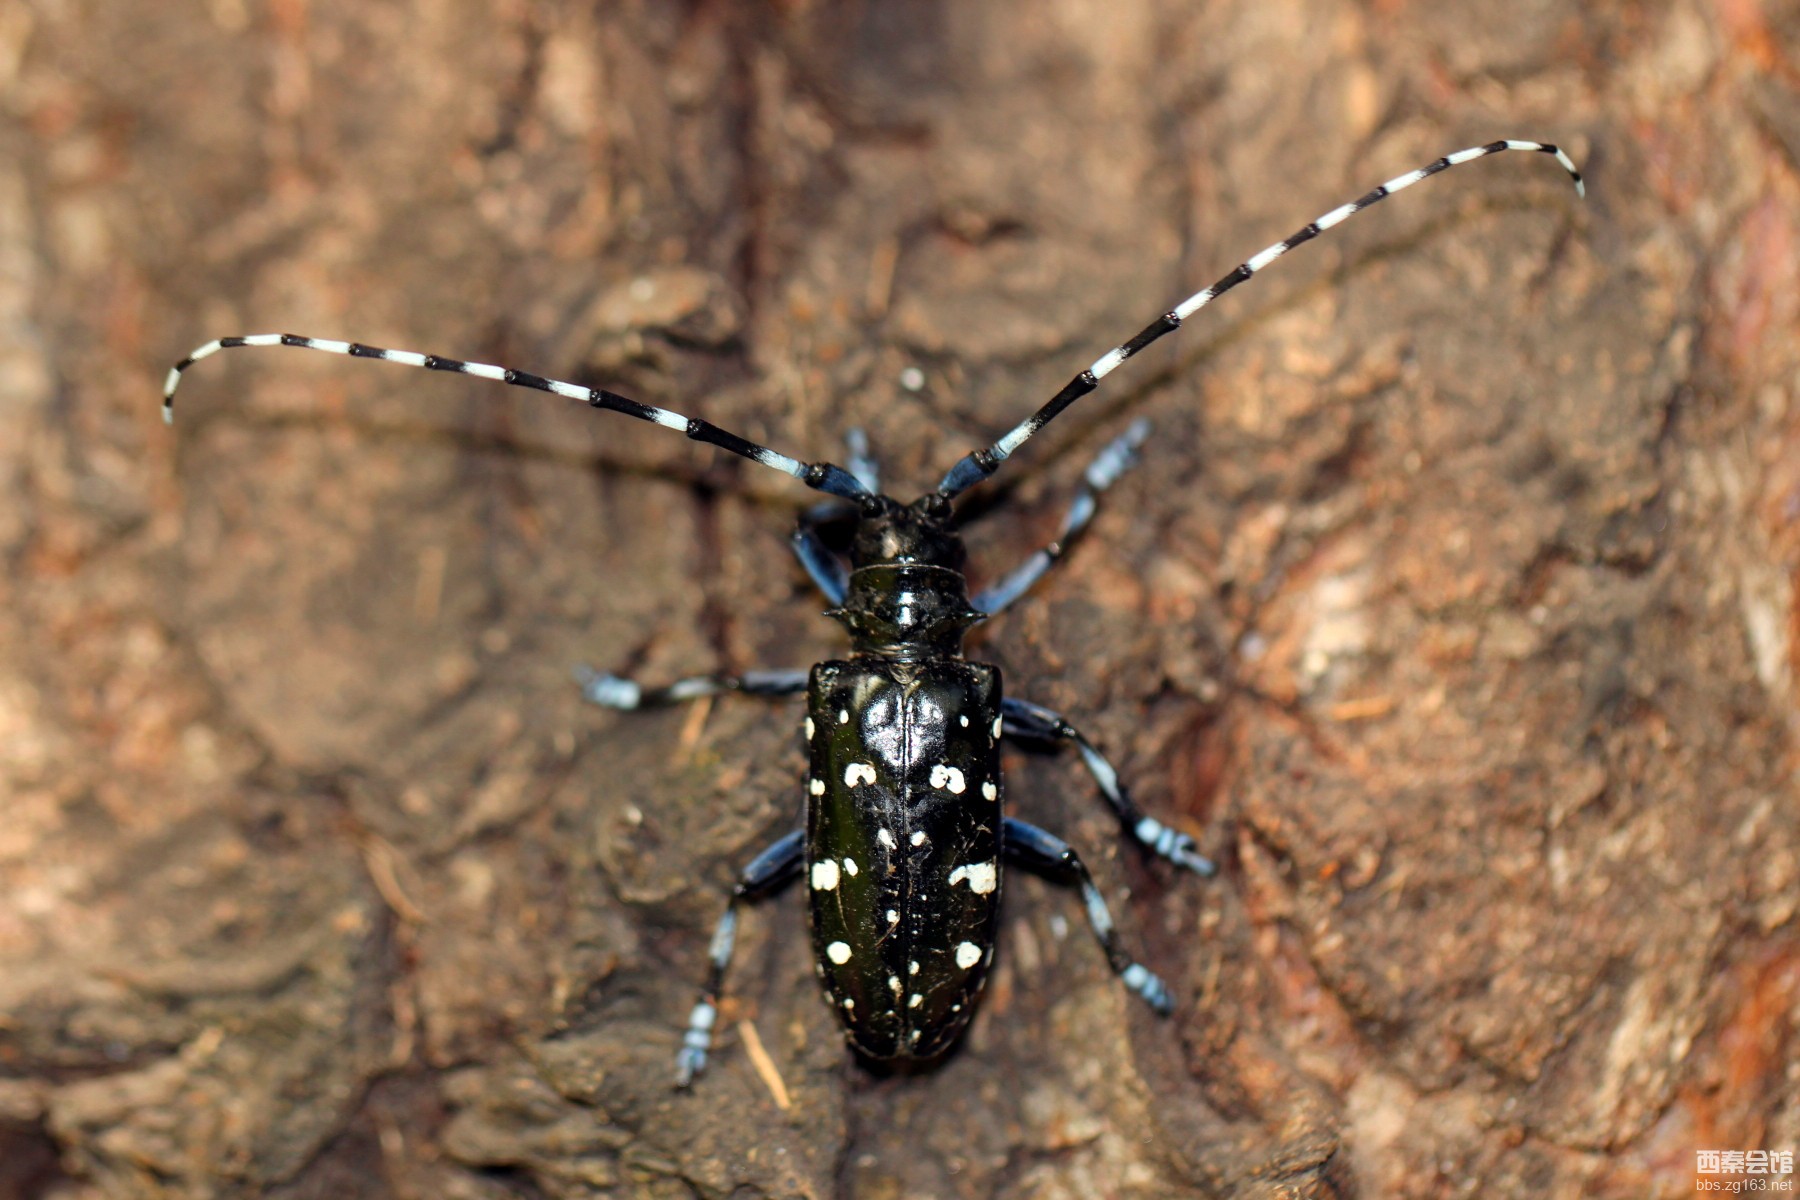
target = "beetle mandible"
x: 905, y: 831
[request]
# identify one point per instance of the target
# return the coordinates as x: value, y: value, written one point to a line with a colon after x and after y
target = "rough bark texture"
x: 1453, y: 604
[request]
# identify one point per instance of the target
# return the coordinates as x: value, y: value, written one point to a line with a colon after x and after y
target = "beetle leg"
x: 823, y: 564
x: 766, y: 872
x: 862, y: 464
x: 825, y: 567
x: 611, y: 691
x: 1119, y: 456
x: 1034, y: 722
x: 1048, y: 854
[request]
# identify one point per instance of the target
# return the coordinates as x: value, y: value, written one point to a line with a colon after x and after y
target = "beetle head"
x: 916, y: 534
x: 907, y: 594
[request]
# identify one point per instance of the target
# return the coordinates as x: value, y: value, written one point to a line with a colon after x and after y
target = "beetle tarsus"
x: 695, y: 1043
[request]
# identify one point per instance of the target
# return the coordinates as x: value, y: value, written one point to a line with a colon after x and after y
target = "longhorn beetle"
x: 905, y: 829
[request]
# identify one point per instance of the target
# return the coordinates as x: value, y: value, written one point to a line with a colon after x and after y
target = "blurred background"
x: 1452, y: 606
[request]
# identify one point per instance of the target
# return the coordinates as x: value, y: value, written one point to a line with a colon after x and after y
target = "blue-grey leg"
x: 1119, y: 456
x: 825, y: 567
x: 611, y: 691
x: 862, y: 464
x: 766, y: 872
x: 1048, y: 854
x: 1034, y: 722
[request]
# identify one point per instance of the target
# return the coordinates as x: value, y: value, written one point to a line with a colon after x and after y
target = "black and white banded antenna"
x: 979, y: 464
x: 821, y: 476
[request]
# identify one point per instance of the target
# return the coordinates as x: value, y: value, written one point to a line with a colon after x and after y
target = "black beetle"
x: 905, y: 830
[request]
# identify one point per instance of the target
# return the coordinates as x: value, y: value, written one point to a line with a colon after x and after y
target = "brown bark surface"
x: 1453, y: 605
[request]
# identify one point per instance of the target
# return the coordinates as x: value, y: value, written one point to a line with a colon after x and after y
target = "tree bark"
x: 1452, y: 606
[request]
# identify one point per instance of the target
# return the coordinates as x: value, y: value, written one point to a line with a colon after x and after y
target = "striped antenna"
x: 979, y: 464
x: 821, y: 476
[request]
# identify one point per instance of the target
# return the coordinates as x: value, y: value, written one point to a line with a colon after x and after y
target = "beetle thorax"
x: 907, y: 596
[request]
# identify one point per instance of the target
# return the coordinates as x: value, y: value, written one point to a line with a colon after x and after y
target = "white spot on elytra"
x: 850, y: 867
x: 998, y: 726
x: 859, y: 771
x: 967, y: 954
x: 824, y: 875
x: 964, y: 718
x: 914, y: 1000
x: 948, y: 778
x: 849, y: 1004
x: 885, y: 838
x: 918, y: 837
x: 839, y: 953
x: 843, y: 716
x: 912, y: 968
x: 816, y: 786
x: 982, y: 877
x: 893, y: 916
x: 989, y: 791
x: 809, y: 729
x: 894, y: 984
